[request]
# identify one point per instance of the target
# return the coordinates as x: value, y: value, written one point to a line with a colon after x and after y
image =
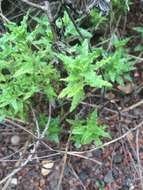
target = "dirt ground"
x: 116, y: 166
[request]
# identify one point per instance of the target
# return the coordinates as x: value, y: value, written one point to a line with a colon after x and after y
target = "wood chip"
x: 47, y: 165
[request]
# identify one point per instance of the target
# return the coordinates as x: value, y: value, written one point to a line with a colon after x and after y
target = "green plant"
x: 86, y: 131
x: 54, y: 128
x: 25, y: 68
x: 82, y: 71
x: 121, y: 5
x: 100, y: 185
x: 70, y: 30
x: 117, y: 70
x: 139, y: 29
x: 97, y: 19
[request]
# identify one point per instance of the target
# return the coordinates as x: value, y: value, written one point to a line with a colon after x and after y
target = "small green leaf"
x: 88, y: 131
x: 77, y: 98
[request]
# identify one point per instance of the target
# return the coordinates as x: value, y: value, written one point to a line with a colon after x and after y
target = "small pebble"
x: 47, y: 165
x: 15, y: 140
x: 14, y: 181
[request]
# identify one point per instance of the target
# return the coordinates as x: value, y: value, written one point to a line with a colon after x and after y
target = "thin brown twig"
x: 17, y: 164
x: 138, y: 158
x: 137, y: 104
x: 112, y: 141
x: 77, y: 177
x: 51, y: 21
x: 130, y: 144
x: 9, y: 121
x: 39, y: 157
x: 17, y: 120
x: 34, y: 5
x: 76, y: 154
x: 48, y: 122
x: 74, y: 23
x: 29, y: 132
x: 29, y: 158
x: 4, y: 18
x: 19, y: 168
x: 36, y: 123
x: 64, y: 163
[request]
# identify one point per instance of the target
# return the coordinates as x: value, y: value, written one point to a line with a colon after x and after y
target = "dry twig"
x: 112, y: 141
x: 29, y: 158
x: 138, y: 159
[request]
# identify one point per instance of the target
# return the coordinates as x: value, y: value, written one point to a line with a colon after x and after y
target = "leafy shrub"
x: 25, y: 69
x: 54, y: 128
x: 70, y: 30
x: 97, y: 19
x: 82, y: 72
x: 86, y: 131
x: 139, y: 29
x: 117, y: 70
x: 121, y: 5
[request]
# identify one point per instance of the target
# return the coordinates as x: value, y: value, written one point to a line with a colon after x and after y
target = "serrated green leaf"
x: 77, y: 98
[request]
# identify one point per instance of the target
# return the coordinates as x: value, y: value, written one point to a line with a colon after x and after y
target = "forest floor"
x: 116, y: 166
